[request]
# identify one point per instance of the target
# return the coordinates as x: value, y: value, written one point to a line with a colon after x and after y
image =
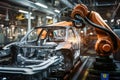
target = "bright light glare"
x: 22, y: 11
x: 112, y: 20
x: 82, y: 31
x: 49, y: 17
x: 56, y: 10
x: 22, y: 30
x: 42, y: 5
x: 91, y: 33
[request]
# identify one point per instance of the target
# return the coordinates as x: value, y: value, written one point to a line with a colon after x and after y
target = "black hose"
x: 113, y: 37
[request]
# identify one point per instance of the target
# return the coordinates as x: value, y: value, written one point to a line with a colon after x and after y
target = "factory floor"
x: 83, y: 72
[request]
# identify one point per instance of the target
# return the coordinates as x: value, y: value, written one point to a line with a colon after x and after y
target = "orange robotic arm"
x: 105, y: 44
x: 63, y: 23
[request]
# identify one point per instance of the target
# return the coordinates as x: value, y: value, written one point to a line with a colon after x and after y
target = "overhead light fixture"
x: 42, y: 5
x: 22, y: 11
x: 56, y: 10
x: 49, y: 17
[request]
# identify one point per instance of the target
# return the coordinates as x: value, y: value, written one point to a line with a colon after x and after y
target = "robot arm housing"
x: 108, y: 41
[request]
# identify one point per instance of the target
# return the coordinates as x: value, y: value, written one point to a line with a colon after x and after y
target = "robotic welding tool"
x: 107, y: 41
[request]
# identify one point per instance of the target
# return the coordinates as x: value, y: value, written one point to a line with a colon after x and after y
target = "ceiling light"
x: 22, y: 11
x: 56, y: 10
x: 49, y: 17
x: 42, y: 5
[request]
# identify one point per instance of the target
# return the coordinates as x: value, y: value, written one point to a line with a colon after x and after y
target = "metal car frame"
x: 66, y: 52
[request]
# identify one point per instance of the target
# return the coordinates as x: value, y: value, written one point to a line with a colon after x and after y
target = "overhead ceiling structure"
x: 106, y: 8
x: 26, y: 4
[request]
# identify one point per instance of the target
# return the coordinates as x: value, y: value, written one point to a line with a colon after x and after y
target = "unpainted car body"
x: 41, y: 48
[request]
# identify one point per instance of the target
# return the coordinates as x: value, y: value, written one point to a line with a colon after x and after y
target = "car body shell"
x: 39, y: 54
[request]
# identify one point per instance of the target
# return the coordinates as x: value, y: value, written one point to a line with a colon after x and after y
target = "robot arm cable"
x: 112, y: 35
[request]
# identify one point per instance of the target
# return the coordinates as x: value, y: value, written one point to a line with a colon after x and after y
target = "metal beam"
x: 32, y: 5
x: 67, y: 3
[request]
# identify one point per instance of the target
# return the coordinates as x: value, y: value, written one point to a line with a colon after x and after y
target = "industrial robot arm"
x: 108, y: 41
